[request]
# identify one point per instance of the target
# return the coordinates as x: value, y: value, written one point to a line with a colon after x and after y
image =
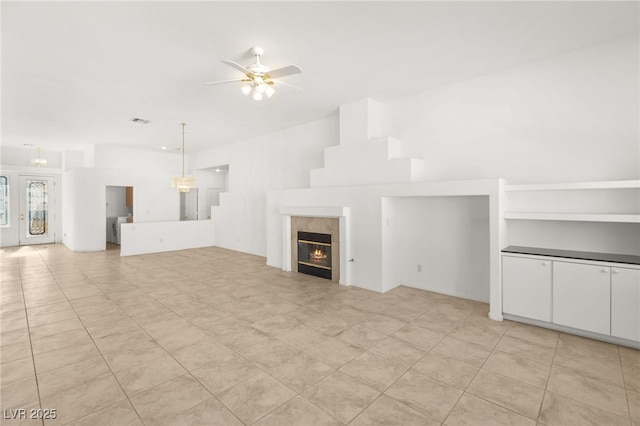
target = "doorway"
x: 36, y: 210
x: 189, y: 205
x: 119, y: 210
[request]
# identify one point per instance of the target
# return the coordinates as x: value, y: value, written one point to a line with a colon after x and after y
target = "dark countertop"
x: 573, y: 254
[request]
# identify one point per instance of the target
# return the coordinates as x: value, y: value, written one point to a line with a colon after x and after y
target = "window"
x: 4, y: 201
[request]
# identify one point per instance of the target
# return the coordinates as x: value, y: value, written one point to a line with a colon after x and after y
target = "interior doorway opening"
x: 189, y: 205
x: 119, y: 210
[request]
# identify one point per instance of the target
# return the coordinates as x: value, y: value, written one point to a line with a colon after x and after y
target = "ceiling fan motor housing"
x: 258, y: 68
x: 257, y: 51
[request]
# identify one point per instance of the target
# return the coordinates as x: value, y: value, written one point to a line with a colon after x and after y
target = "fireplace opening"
x: 314, y: 254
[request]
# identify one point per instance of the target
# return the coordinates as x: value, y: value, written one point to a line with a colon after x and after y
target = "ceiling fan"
x: 259, y: 78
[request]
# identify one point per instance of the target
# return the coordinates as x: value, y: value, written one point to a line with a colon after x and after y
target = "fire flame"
x: 318, y: 255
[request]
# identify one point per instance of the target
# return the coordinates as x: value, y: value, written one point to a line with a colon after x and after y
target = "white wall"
x: 612, y: 237
x: 84, y: 212
x: 622, y: 238
x: 156, y: 237
x: 113, y: 157
x: 79, y: 158
x: 458, y: 218
x: 22, y: 156
x: 365, y: 238
x: 205, y: 180
x: 116, y: 201
x: 64, y: 158
x: 10, y: 235
x: 15, y: 162
x: 275, y: 161
x: 448, y: 237
x: 570, y: 117
x: 148, y: 172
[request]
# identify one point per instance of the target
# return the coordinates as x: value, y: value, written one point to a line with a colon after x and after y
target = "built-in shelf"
x: 613, y: 184
x: 576, y: 217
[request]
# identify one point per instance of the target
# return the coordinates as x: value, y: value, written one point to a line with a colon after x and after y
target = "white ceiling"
x: 79, y: 72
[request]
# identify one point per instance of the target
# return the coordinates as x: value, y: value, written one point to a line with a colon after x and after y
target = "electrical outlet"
x: 419, y: 268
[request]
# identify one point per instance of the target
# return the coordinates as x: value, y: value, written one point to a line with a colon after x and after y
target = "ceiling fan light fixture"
x: 258, y: 78
x: 270, y: 91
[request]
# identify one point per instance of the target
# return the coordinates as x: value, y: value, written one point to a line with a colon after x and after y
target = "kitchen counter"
x: 573, y: 254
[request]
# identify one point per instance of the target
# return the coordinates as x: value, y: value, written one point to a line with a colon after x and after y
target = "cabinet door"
x: 625, y: 303
x: 581, y: 296
x: 129, y: 196
x: 526, y: 287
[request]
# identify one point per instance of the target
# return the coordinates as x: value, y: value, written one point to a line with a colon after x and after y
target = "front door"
x: 37, y: 219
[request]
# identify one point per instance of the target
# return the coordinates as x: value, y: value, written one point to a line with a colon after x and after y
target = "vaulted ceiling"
x: 79, y: 72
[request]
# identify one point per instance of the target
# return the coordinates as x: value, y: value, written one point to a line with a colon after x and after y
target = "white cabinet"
x: 581, y: 296
x: 526, y: 290
x: 595, y: 294
x: 625, y: 303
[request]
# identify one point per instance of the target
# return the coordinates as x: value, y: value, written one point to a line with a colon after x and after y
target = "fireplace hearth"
x: 314, y: 254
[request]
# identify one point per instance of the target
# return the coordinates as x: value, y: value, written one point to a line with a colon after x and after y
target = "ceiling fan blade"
x: 226, y: 81
x: 284, y: 71
x: 278, y: 82
x: 238, y: 67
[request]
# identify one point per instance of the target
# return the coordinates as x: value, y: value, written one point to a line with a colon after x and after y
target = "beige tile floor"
x: 215, y: 337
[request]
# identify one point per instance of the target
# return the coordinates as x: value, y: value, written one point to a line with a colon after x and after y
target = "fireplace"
x: 314, y: 254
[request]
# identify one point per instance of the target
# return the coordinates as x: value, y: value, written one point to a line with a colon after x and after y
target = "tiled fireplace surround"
x: 321, y: 225
x: 325, y: 220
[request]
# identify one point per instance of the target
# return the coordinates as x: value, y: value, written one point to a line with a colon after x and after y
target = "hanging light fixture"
x: 258, y: 87
x: 38, y: 162
x: 259, y: 78
x: 183, y: 184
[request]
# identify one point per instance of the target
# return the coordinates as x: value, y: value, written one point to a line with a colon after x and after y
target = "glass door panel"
x: 36, y: 220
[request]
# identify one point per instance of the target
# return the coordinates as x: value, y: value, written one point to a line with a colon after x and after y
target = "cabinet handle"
x: 604, y: 270
x: 544, y: 263
x: 615, y: 271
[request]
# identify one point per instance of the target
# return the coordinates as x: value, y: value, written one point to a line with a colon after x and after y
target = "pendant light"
x: 38, y: 161
x: 183, y: 184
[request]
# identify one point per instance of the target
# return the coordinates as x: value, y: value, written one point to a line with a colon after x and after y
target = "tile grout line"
x: 411, y: 369
x: 334, y: 370
x: 511, y: 379
x: 624, y: 384
x: 592, y: 379
x: 546, y: 385
x: 464, y: 391
x: 188, y: 372
x: 33, y: 358
x: 291, y: 297
x: 100, y: 352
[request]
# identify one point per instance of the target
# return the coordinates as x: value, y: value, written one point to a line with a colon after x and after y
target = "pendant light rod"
x: 183, y: 124
x: 183, y: 184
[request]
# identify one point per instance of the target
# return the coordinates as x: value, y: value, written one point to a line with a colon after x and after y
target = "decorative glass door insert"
x: 4, y: 201
x: 36, y: 210
x: 37, y: 197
